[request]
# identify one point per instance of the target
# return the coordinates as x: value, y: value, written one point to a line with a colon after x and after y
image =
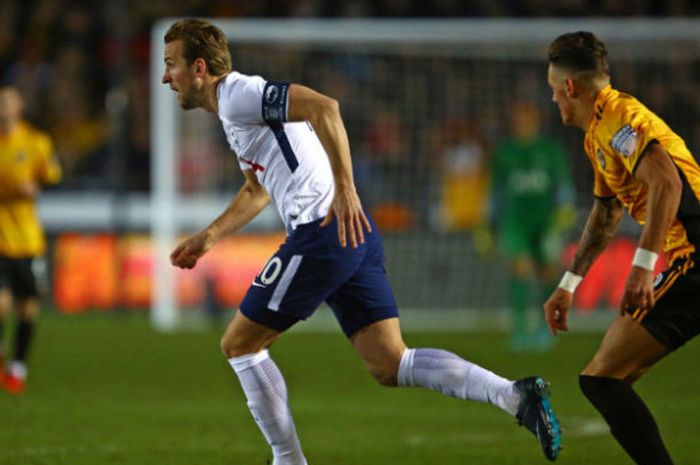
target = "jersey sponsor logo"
x: 601, y: 158
x: 254, y: 166
x: 625, y: 140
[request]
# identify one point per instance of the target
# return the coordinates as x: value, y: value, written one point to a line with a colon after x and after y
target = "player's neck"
x: 211, y: 99
x: 9, y: 129
x: 588, y: 101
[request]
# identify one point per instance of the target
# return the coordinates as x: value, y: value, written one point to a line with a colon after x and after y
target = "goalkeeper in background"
x: 26, y: 162
x: 531, y: 209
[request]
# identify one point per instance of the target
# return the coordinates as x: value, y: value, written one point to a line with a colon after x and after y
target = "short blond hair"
x: 201, y: 39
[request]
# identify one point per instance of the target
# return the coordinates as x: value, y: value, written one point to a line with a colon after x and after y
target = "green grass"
x: 105, y: 389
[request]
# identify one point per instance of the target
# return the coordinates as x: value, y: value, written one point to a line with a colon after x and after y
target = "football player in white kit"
x: 292, y: 147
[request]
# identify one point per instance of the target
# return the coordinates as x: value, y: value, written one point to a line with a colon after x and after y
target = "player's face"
x: 179, y: 75
x: 10, y: 109
x: 557, y: 82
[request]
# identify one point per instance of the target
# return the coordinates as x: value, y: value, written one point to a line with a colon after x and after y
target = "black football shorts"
x: 675, y: 318
x: 17, y: 275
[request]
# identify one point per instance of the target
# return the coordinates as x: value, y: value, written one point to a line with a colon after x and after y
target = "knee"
x: 5, y: 302
x: 385, y: 375
x: 233, y: 347
x: 604, y: 367
x: 28, y: 309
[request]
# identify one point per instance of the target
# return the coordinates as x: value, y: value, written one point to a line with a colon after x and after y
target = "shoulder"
x: 240, y: 97
x: 237, y: 84
x: 35, y: 137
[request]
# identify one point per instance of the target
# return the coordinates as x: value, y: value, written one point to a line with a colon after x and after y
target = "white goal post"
x: 173, y: 212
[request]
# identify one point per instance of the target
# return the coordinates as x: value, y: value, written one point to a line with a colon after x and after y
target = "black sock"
x: 630, y: 421
x: 22, y: 339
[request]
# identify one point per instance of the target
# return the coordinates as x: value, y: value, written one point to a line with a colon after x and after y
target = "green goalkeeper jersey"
x: 530, y: 179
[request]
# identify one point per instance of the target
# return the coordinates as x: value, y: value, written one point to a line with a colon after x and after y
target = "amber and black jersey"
x: 26, y: 155
x: 618, y: 135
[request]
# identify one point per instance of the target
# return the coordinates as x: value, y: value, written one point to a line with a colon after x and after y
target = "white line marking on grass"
x: 579, y: 427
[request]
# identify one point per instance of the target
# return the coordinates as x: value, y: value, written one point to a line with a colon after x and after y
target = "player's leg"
x: 632, y: 345
x: 519, y: 284
x: 5, y: 309
x: 290, y: 287
x: 627, y: 351
x: 383, y: 351
x: 366, y: 310
x: 514, y: 245
x: 385, y: 355
x: 26, y: 298
x: 27, y: 314
x: 245, y: 344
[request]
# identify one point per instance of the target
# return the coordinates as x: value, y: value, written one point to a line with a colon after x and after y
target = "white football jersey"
x: 287, y: 158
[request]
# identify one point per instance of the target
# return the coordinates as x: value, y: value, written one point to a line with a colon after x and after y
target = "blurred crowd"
x: 83, y: 68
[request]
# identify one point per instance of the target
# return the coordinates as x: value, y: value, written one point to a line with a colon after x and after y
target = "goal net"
x: 425, y: 103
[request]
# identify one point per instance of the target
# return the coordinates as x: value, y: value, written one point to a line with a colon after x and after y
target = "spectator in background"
x: 26, y: 162
x: 386, y: 143
x: 532, y: 206
x: 464, y: 175
x: 81, y: 132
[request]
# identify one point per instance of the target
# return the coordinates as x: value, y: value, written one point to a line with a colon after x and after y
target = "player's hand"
x: 556, y: 310
x: 190, y: 250
x: 351, y: 218
x: 639, y: 290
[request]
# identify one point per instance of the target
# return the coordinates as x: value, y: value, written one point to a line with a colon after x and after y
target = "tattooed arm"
x: 601, y: 227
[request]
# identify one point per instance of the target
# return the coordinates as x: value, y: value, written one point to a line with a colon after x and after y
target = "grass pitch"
x: 105, y: 389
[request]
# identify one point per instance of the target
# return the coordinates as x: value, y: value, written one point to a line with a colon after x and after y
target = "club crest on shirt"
x: 601, y: 158
x: 625, y: 140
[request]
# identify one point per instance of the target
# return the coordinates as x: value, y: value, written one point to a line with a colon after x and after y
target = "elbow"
x: 672, y: 186
x: 329, y: 108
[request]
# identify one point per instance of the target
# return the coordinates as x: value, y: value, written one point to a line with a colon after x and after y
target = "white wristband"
x: 570, y: 281
x: 644, y: 258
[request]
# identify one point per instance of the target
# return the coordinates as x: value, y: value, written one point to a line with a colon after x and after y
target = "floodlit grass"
x: 105, y: 389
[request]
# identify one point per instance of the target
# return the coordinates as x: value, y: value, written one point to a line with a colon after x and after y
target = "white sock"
x: 451, y: 375
x: 18, y: 369
x: 266, y: 392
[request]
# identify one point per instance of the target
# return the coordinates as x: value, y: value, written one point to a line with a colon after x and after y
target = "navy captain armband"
x: 274, y: 102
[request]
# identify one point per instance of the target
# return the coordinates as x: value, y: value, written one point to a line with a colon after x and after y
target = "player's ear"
x: 571, y: 88
x: 200, y: 67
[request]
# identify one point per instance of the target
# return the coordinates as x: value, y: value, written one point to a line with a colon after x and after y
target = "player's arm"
x: 659, y: 173
x: 601, y: 226
x: 250, y: 200
x: 323, y: 113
